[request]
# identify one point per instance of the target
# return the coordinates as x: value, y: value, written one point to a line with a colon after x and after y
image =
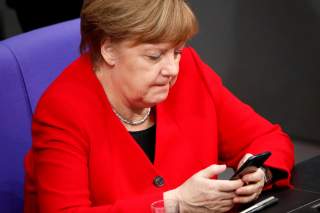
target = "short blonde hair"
x: 144, y: 21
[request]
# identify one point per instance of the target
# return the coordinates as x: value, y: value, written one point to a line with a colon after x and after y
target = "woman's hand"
x: 200, y: 193
x: 254, y: 183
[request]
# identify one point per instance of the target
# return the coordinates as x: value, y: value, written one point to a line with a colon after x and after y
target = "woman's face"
x: 143, y: 74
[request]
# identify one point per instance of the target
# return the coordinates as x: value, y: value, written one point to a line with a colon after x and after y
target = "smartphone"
x: 251, y: 164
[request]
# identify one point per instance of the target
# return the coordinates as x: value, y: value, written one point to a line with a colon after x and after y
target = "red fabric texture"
x: 84, y: 160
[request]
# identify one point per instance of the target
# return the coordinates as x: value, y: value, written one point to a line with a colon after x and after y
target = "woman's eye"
x: 154, y: 57
x: 177, y: 53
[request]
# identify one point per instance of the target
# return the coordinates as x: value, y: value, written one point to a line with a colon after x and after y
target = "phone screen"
x: 251, y: 164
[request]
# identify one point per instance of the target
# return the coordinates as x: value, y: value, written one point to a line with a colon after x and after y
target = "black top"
x: 147, y: 141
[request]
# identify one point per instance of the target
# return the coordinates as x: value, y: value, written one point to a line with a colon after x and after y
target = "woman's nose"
x: 170, y: 67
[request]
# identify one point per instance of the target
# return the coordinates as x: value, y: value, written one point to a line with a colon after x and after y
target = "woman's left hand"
x: 254, y: 183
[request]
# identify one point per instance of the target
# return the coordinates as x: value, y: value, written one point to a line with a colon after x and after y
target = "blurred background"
x: 267, y: 53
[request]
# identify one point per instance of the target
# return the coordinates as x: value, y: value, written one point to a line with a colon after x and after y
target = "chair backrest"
x: 28, y: 64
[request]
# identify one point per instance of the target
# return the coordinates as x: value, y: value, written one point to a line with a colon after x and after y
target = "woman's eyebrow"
x: 153, y: 47
x: 162, y: 49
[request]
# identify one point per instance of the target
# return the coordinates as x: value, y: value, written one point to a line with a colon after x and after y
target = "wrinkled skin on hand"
x: 254, y: 183
x: 200, y: 193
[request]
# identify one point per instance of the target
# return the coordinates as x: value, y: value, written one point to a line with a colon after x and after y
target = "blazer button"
x: 158, y: 181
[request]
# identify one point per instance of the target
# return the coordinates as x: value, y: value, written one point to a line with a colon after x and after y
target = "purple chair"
x: 28, y: 64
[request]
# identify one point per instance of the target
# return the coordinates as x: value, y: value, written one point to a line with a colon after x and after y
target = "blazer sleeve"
x: 60, y: 151
x: 242, y: 130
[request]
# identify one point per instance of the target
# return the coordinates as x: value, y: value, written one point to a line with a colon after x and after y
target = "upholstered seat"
x: 28, y: 64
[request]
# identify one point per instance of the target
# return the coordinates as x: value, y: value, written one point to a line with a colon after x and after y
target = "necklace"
x: 133, y: 123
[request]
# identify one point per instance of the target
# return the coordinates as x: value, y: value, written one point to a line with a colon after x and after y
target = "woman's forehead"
x: 133, y: 47
x: 161, y: 46
x: 164, y: 46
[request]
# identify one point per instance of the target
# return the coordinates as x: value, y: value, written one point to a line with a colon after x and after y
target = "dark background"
x: 266, y: 51
x: 268, y: 54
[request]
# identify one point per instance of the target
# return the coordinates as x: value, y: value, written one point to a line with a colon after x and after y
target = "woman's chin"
x: 158, y: 98
x: 157, y: 95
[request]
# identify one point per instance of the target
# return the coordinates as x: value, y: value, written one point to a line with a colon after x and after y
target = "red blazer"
x: 84, y: 160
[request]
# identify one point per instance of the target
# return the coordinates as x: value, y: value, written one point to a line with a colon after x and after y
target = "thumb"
x: 212, y: 170
x: 244, y: 159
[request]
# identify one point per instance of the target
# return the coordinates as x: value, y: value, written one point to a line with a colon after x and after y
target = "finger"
x: 249, y: 189
x: 184, y: 207
x: 213, y: 195
x: 244, y: 159
x: 225, y: 209
x: 222, y: 203
x: 227, y: 185
x: 256, y: 176
x: 212, y: 171
x: 216, y: 209
x: 245, y: 199
x: 222, y: 206
x: 226, y: 203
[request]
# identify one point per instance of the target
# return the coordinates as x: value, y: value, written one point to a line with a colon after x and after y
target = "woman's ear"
x: 107, y: 52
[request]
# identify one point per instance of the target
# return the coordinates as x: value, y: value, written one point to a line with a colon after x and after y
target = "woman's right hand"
x: 200, y: 193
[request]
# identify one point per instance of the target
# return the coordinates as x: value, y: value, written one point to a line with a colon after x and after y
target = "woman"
x: 120, y: 129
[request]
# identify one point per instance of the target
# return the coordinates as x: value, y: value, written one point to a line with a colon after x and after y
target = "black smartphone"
x: 251, y: 164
